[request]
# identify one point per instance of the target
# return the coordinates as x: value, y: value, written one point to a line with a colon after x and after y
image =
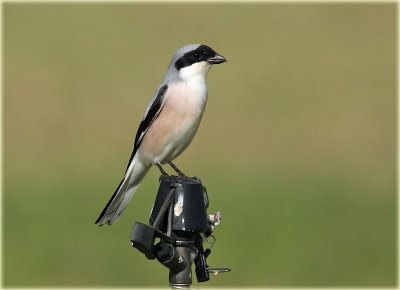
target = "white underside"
x: 174, y: 129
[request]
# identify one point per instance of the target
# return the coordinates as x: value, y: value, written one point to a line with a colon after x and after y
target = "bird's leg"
x: 161, y: 169
x: 180, y: 173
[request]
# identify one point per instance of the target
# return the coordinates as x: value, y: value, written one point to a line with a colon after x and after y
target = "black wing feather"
x: 151, y: 115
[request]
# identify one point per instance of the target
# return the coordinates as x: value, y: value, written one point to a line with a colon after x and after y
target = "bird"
x: 169, y: 123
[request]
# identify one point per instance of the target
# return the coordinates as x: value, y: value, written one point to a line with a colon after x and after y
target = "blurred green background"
x: 297, y: 146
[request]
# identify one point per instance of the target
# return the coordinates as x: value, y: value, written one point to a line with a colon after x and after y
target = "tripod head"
x: 179, y: 220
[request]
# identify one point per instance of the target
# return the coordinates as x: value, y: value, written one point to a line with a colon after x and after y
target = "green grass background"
x: 297, y: 147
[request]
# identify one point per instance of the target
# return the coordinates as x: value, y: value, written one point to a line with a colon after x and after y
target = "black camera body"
x: 179, y: 219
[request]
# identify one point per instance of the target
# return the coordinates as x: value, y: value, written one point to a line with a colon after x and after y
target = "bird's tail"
x: 123, y: 194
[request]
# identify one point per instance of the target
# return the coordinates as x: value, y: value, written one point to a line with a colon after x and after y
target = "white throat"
x: 196, y: 72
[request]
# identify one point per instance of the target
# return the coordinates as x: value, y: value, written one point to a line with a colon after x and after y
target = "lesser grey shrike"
x: 169, y: 123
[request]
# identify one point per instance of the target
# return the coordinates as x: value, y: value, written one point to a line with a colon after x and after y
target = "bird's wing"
x: 116, y: 204
x: 152, y: 112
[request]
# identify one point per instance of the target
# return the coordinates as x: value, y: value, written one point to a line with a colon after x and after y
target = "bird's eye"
x: 196, y: 56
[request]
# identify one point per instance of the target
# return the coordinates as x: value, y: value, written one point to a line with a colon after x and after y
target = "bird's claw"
x: 180, y: 173
x: 163, y: 172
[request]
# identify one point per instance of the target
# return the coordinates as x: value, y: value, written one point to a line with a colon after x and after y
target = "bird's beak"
x: 216, y: 59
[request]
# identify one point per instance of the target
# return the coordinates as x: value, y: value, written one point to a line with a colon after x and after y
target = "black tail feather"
x: 109, y: 203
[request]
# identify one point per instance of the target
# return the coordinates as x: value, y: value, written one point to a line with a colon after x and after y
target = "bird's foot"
x: 180, y: 173
x: 163, y: 172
